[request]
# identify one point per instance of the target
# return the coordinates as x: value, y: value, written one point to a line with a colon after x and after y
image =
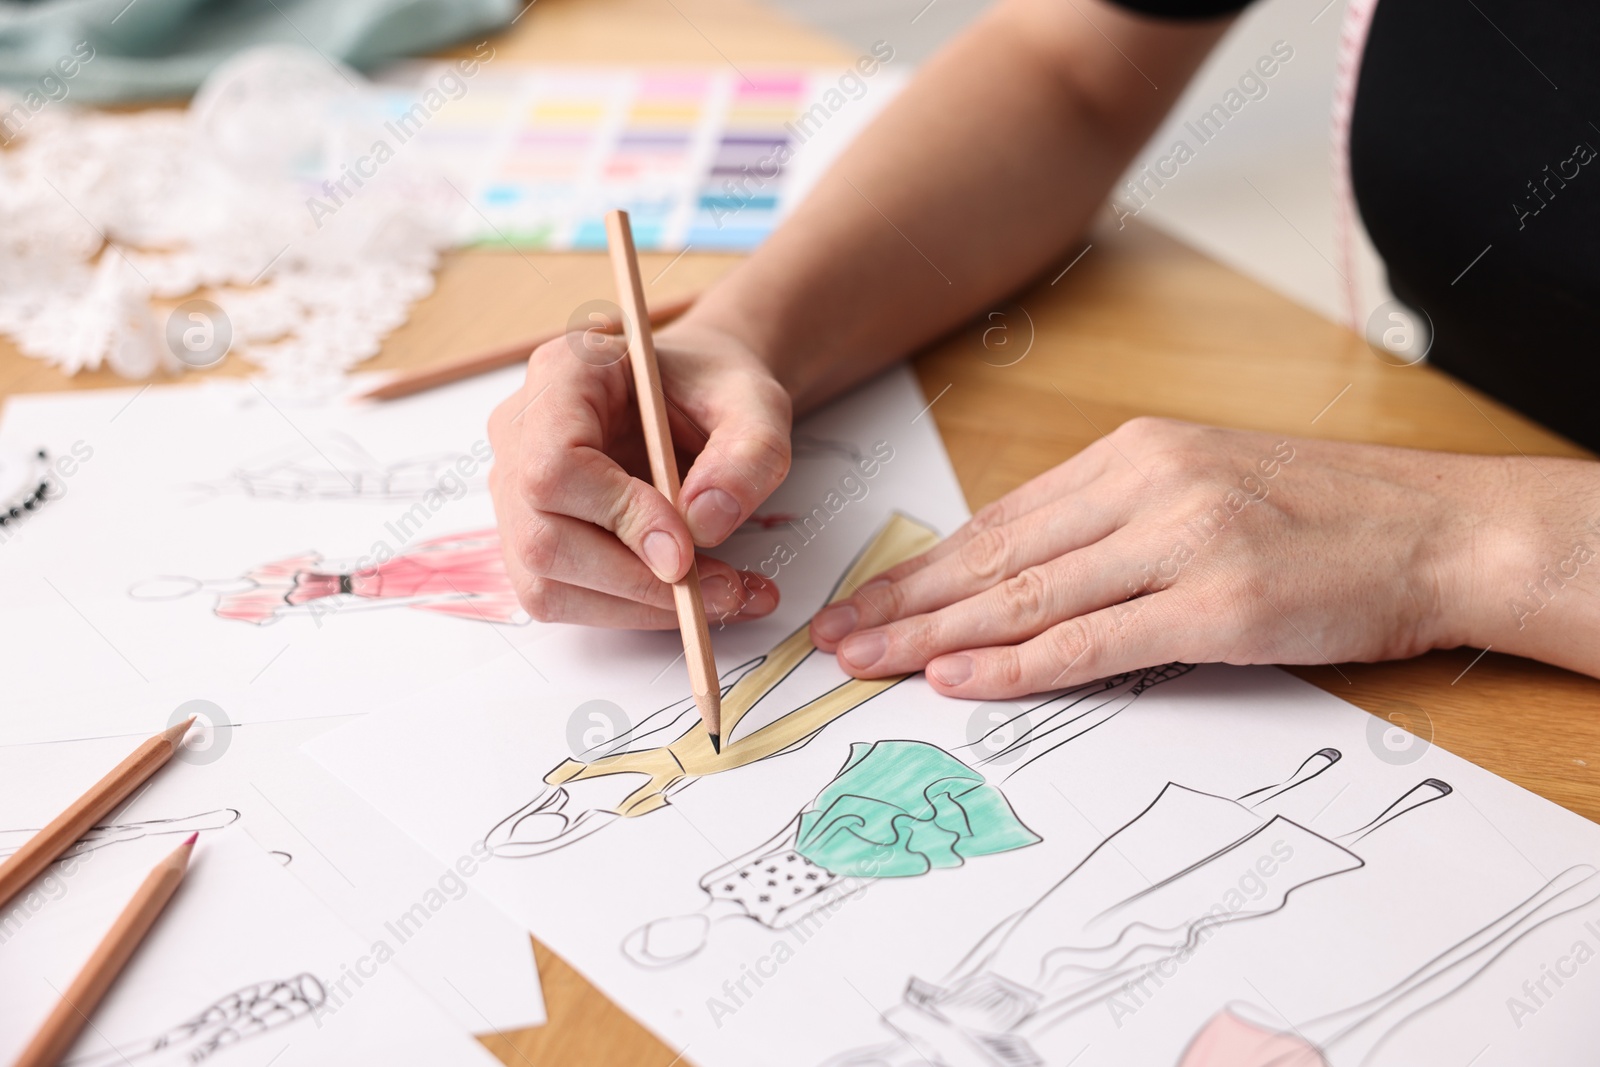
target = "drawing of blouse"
x: 458, y: 574
x: 896, y: 810
x: 904, y: 808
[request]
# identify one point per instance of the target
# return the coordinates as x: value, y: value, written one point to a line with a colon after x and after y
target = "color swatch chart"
x: 710, y: 159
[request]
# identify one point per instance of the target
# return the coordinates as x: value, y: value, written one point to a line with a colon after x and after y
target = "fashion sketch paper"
x: 205, y: 986
x: 459, y: 950
x: 282, y: 558
x: 1177, y: 865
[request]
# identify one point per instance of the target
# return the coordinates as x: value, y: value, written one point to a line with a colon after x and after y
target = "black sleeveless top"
x: 1475, y: 157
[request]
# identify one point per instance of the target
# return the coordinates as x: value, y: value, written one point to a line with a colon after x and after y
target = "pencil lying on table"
x: 664, y: 468
x: 42, y: 849
x: 504, y: 356
x: 72, y: 1011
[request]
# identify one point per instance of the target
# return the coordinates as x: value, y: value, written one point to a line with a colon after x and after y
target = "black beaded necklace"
x: 24, y: 484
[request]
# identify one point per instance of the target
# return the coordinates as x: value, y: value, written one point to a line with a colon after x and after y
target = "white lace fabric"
x: 109, y: 219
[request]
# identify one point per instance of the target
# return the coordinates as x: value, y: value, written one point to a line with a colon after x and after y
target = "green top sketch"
x: 903, y: 808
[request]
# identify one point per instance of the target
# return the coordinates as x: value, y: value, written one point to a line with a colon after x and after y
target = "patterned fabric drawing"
x: 241, y: 1015
x: 897, y: 809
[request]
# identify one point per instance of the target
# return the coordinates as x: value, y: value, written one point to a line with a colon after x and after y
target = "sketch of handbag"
x: 550, y: 820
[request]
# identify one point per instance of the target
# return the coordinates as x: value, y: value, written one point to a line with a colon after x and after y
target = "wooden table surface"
x: 1141, y: 325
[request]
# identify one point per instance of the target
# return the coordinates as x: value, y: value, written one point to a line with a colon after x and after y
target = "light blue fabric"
x: 163, y: 49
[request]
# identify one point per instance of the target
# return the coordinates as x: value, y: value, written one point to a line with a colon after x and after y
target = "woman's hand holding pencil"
x: 588, y: 539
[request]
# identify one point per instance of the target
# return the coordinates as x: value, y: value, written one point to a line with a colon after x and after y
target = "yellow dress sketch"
x: 544, y: 823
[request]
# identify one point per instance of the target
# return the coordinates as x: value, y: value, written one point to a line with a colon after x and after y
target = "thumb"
x: 745, y: 457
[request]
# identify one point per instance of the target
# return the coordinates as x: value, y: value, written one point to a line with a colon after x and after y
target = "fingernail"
x: 863, y: 650
x: 712, y: 516
x: 720, y: 597
x: 951, y: 670
x: 834, y: 621
x: 873, y: 586
x: 758, y: 598
x: 761, y: 597
x: 749, y: 597
x: 661, y: 552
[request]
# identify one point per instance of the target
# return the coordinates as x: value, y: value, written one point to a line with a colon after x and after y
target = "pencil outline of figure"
x: 104, y: 835
x: 994, y: 998
x: 308, y: 472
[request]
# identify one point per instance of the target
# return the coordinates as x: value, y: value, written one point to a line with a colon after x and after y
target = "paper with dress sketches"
x: 461, y: 951
x: 212, y: 480
x: 162, y: 488
x: 209, y: 984
x: 1399, y: 851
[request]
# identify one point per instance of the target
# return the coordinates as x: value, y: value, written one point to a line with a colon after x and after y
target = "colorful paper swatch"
x: 701, y: 158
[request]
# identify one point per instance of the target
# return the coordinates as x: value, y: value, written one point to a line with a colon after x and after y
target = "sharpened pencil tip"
x: 175, y: 733
x: 716, y: 744
x: 192, y: 838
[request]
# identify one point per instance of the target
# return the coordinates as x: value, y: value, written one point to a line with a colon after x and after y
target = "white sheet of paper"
x: 463, y: 952
x: 172, y: 496
x: 312, y: 992
x: 1221, y: 851
x: 216, y: 479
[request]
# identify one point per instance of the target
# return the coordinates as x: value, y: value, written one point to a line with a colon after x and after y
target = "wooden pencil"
x: 664, y: 468
x: 495, y: 358
x: 42, y: 849
x: 71, y: 1013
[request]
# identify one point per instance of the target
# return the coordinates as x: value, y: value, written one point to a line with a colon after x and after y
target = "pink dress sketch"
x: 458, y: 574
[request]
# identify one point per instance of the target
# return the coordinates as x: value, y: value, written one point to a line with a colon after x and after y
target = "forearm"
x: 970, y: 183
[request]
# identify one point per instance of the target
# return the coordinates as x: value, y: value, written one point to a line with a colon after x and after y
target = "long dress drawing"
x: 1143, y: 900
x: 461, y: 575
